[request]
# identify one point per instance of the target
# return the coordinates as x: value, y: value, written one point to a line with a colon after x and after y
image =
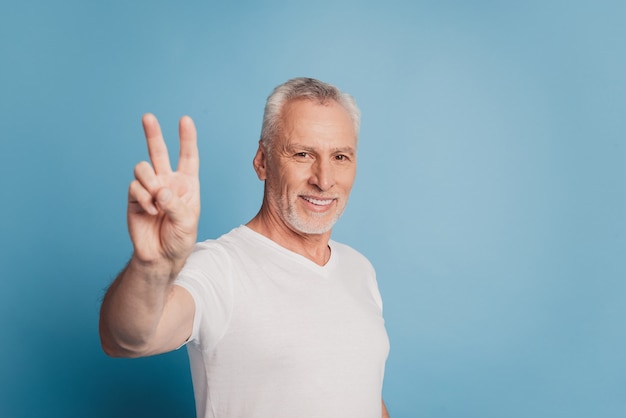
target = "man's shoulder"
x: 220, y: 242
x: 233, y: 245
x: 348, y: 251
x: 341, y: 246
x: 213, y: 250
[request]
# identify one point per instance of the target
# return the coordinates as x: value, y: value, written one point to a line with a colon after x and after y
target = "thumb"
x: 171, y: 205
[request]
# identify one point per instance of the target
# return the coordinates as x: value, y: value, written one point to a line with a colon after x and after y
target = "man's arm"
x: 385, y: 413
x: 143, y: 313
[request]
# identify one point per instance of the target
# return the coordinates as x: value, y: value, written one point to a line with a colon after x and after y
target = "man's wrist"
x: 161, y: 269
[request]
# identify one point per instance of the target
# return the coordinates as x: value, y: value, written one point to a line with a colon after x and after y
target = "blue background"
x: 490, y: 194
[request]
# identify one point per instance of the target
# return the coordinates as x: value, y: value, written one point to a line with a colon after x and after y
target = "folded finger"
x: 138, y: 195
x: 145, y: 174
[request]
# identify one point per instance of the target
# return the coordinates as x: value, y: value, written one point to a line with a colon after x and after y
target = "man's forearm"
x: 132, y: 308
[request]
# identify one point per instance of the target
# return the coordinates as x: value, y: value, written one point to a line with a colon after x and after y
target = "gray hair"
x: 303, y: 89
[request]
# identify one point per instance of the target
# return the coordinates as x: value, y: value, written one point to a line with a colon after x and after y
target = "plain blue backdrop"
x: 490, y: 194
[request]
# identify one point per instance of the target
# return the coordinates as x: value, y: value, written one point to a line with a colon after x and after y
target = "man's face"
x: 311, y: 166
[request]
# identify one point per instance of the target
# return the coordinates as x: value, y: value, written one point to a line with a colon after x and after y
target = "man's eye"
x: 341, y: 157
x: 301, y: 154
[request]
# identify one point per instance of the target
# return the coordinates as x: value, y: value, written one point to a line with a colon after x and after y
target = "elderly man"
x: 279, y: 320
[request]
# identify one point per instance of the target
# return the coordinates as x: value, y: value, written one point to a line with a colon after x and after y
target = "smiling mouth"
x: 318, y: 202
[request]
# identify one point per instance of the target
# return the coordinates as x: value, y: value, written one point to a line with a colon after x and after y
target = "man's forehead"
x: 312, y: 115
x: 301, y: 108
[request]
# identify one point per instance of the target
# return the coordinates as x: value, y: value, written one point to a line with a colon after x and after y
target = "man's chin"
x: 311, y: 228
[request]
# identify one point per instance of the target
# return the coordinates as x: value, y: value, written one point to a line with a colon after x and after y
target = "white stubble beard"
x: 289, y: 212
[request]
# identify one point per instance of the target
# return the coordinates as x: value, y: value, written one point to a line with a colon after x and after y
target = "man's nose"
x: 322, y: 175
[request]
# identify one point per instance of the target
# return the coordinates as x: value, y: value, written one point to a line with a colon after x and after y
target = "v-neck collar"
x: 247, y: 231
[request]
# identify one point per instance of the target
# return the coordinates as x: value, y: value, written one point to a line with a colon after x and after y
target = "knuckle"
x: 142, y: 168
x: 138, y: 192
x: 135, y: 186
x: 132, y: 187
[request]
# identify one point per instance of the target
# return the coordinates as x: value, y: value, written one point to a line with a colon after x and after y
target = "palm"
x: 165, y: 229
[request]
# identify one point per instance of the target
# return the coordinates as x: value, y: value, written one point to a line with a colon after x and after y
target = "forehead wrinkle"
x: 301, y: 126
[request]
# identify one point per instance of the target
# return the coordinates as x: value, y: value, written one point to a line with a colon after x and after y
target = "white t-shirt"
x: 276, y: 335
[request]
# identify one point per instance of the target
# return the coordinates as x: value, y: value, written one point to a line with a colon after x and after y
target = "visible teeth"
x: 319, y: 202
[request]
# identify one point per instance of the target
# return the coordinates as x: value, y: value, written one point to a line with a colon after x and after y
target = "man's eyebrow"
x: 344, y: 150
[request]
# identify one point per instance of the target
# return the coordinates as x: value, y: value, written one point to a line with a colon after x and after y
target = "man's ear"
x: 260, y: 162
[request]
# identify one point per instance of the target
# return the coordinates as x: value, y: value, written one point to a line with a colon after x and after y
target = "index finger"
x: 156, y: 144
x: 189, y: 159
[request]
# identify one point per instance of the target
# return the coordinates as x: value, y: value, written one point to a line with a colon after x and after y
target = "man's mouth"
x: 318, y: 202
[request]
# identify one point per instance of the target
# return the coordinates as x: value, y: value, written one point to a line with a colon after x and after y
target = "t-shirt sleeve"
x: 373, y: 284
x: 207, y: 276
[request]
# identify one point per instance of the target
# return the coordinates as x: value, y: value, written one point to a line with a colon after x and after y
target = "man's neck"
x: 312, y: 246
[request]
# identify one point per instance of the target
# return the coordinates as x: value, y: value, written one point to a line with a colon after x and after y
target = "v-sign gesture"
x: 143, y: 313
x: 164, y: 205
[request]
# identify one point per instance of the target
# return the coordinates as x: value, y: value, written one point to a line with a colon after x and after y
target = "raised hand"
x: 164, y: 205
